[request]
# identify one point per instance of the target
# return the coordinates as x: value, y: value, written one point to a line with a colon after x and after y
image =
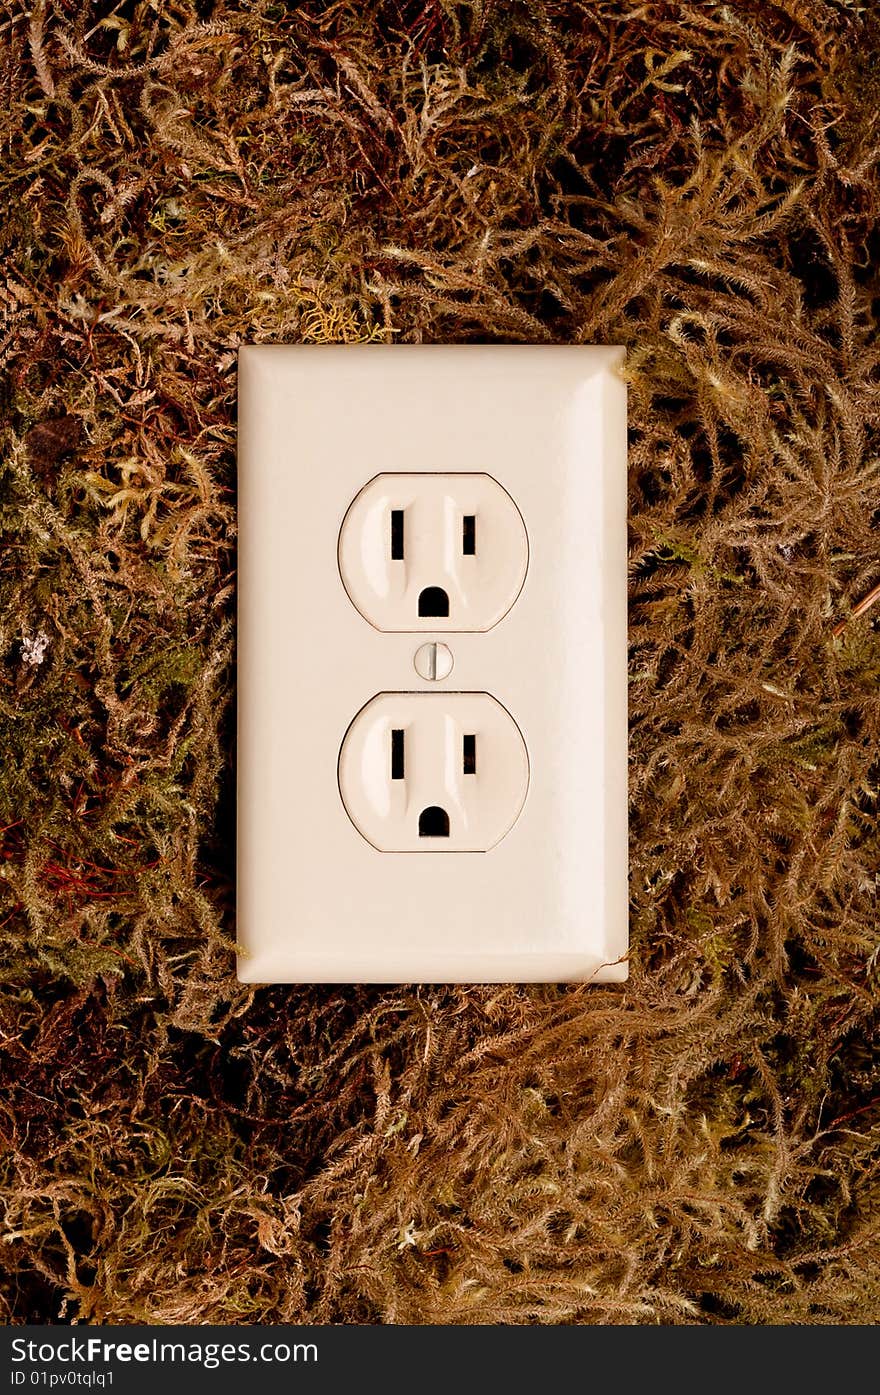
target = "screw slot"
x: 433, y: 661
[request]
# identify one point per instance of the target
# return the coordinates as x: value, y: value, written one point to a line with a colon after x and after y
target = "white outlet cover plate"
x: 316, y: 902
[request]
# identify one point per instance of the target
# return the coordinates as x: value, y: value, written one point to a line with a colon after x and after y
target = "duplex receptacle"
x: 441, y: 552
x: 432, y: 659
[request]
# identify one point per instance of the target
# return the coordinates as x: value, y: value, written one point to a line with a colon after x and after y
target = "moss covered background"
x: 696, y: 181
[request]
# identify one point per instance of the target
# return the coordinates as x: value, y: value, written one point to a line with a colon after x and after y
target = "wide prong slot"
x: 398, y: 757
x: 469, y: 535
x: 397, y: 535
x: 469, y: 755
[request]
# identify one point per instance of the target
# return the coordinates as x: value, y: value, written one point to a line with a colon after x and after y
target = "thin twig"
x: 864, y: 604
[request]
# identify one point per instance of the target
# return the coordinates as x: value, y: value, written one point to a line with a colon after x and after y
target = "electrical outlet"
x: 433, y: 772
x: 432, y: 664
x: 433, y: 552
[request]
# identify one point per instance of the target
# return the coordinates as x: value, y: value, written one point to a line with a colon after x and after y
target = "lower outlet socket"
x: 433, y: 772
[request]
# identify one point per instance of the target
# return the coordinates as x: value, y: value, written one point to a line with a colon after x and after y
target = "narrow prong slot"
x: 469, y: 755
x: 397, y: 535
x: 469, y: 535
x: 397, y: 754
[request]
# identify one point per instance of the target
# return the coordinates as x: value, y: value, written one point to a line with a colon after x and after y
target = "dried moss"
x: 697, y: 181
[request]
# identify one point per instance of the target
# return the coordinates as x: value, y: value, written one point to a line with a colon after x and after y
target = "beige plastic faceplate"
x: 317, y: 902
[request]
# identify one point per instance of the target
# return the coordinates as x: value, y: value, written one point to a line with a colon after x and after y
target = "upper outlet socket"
x: 436, y: 552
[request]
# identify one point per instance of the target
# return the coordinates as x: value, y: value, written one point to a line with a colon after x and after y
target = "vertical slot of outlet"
x: 469, y: 755
x: 469, y: 535
x: 397, y: 535
x: 398, y: 760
